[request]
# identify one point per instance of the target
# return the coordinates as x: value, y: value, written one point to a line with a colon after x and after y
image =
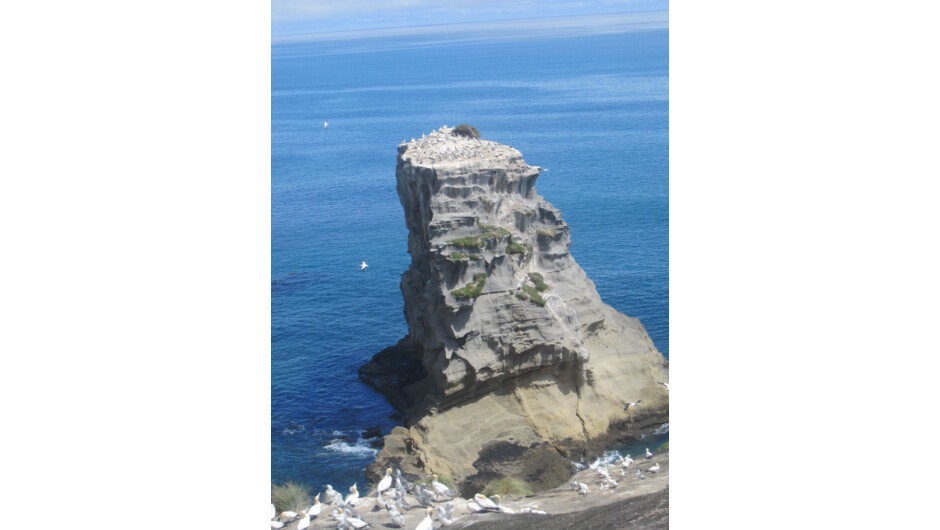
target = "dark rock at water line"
x: 373, y: 431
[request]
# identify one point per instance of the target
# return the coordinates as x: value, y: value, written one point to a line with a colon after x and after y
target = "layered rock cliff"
x: 510, y: 349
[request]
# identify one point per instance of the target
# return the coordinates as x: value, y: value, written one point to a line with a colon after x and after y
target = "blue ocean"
x: 592, y: 108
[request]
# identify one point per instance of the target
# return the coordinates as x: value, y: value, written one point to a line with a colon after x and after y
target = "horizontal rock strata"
x: 515, y: 345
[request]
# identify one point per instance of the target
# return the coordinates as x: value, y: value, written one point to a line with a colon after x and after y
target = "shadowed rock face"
x: 516, y: 344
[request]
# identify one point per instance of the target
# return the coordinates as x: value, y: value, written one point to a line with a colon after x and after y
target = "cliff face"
x: 518, y: 348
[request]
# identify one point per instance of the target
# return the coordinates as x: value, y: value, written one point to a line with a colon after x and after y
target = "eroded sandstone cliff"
x: 518, y: 351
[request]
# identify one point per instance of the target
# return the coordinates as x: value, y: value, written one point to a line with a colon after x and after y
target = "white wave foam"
x: 609, y: 457
x: 663, y: 429
x: 360, y: 448
x: 294, y: 429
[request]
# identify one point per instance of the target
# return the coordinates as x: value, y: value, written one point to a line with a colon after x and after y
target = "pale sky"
x: 296, y: 17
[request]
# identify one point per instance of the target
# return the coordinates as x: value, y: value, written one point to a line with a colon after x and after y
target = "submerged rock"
x: 509, y: 344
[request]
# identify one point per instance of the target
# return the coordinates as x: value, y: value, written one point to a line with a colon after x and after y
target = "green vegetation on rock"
x: 514, y: 248
x: 539, y: 282
x: 467, y: 242
x: 472, y: 289
x: 486, y: 232
x: 290, y: 496
x: 492, y: 231
x: 458, y: 256
x: 533, y: 295
x: 466, y: 130
x: 507, y: 486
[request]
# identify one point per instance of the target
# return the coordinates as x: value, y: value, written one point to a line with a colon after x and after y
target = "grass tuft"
x: 492, y: 231
x: 472, y: 289
x: 458, y: 256
x: 514, y: 248
x: 466, y: 130
x: 534, y: 295
x: 290, y: 496
x: 467, y: 242
x: 507, y: 486
x: 539, y: 282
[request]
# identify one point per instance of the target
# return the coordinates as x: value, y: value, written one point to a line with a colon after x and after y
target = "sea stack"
x: 513, y: 366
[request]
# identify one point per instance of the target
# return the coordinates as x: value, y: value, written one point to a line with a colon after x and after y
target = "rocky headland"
x: 512, y: 366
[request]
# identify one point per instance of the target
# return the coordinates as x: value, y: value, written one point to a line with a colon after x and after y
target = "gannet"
x: 353, y: 498
x: 665, y: 384
x: 627, y: 461
x: 273, y: 512
x: 355, y: 522
x: 314, y: 510
x: 485, y: 503
x: 423, y: 495
x: 386, y: 481
x: 276, y: 525
x: 426, y: 523
x: 499, y: 505
x: 287, y: 516
x: 533, y: 509
x: 648, y: 453
x: 474, y: 507
x: 640, y: 475
x: 304, y: 523
x: 397, y: 518
x: 325, y: 124
x: 439, y: 488
x: 333, y: 495
x: 582, y: 488
x: 363, y: 266
x: 655, y: 468
x: 446, y: 514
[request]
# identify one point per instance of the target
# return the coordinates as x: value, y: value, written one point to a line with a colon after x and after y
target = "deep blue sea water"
x: 593, y: 109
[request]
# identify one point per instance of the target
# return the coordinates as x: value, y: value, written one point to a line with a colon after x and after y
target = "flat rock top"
x: 443, y: 148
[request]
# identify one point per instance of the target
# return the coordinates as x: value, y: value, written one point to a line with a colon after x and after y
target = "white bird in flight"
x: 363, y: 266
x: 325, y: 124
x: 632, y: 404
